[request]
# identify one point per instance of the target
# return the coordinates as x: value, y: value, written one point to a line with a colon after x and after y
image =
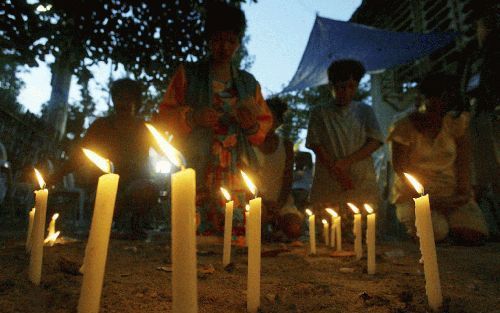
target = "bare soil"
x: 137, y: 279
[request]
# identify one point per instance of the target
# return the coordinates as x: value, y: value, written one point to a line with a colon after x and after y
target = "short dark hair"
x: 126, y: 89
x: 278, y: 107
x: 224, y: 17
x: 343, y: 70
x: 439, y: 84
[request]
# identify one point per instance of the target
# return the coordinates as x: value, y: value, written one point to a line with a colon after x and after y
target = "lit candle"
x: 30, y: 230
x: 254, y: 248
x: 425, y: 232
x: 312, y: 232
x: 36, y: 259
x: 338, y: 231
x: 96, y: 251
x: 184, y: 272
x: 51, y: 237
x: 358, y: 247
x: 370, y: 238
x: 51, y: 240
x: 326, y: 230
x: 228, y: 227
x: 333, y: 227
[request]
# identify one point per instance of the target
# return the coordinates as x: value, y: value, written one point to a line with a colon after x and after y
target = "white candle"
x: 228, y: 227
x: 333, y: 226
x: 254, y: 248
x: 30, y: 229
x: 358, y: 247
x: 52, y: 235
x: 326, y: 230
x: 247, y: 210
x: 312, y: 232
x: 338, y: 230
x: 425, y: 232
x: 184, y: 272
x: 36, y: 259
x: 370, y: 239
x: 96, y: 251
x: 52, y: 224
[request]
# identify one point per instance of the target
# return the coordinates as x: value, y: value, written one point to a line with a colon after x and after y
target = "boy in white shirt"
x: 343, y: 134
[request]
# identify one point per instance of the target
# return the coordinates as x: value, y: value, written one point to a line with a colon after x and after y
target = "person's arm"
x: 286, y: 184
x: 401, y: 139
x: 373, y: 142
x: 462, y: 164
x: 342, y: 176
x: 77, y: 157
x: 315, y: 131
x: 370, y: 146
x: 256, y: 121
x: 400, y: 157
x: 174, y: 113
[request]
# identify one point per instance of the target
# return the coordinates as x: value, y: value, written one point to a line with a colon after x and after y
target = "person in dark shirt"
x: 480, y: 89
x: 123, y: 139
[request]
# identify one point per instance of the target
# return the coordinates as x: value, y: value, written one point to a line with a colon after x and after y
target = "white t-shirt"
x: 341, y: 131
x: 270, y: 177
x: 272, y: 167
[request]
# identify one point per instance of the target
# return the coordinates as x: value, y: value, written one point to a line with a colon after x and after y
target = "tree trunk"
x: 57, y: 110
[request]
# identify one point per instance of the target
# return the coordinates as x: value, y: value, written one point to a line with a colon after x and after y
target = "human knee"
x: 406, y: 216
x: 440, y: 226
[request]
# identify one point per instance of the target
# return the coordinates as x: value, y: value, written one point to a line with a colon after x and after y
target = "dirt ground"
x: 137, y: 279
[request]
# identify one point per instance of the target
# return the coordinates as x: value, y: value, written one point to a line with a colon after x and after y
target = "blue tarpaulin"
x: 377, y: 49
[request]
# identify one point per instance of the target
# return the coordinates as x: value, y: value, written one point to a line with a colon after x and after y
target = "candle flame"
x: 225, y: 193
x: 309, y: 212
x: 102, y: 163
x: 172, y: 154
x: 250, y: 184
x: 368, y: 208
x: 55, y: 216
x: 51, y: 239
x: 39, y: 177
x: 324, y: 222
x: 331, y: 212
x: 247, y: 207
x: 353, y: 208
x: 418, y: 186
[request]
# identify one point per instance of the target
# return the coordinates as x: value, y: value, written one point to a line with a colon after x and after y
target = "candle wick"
x: 183, y: 167
x: 111, y: 167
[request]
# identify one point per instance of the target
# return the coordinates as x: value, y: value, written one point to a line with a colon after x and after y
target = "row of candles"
x: 332, y: 234
x: 184, y: 260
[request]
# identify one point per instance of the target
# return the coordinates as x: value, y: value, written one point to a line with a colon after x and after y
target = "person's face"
x: 125, y: 106
x: 435, y: 105
x: 344, y: 92
x: 223, y: 45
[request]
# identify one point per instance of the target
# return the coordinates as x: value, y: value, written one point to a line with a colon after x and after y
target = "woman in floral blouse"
x: 216, y: 113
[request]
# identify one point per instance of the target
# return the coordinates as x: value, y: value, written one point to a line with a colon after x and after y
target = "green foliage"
x: 299, y: 104
x: 78, y: 112
x: 10, y: 85
x: 149, y: 37
x: 243, y: 59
